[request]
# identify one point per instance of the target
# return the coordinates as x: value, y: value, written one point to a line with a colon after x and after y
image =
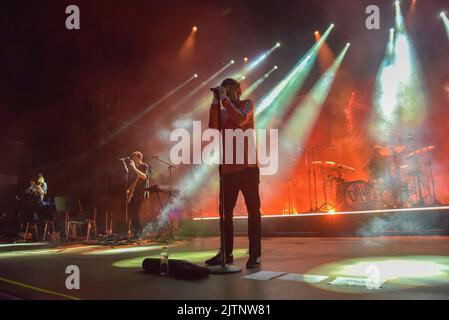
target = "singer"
x: 139, y: 179
x: 237, y: 114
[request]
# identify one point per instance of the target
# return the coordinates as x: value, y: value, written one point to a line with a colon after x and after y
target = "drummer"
x: 378, y: 166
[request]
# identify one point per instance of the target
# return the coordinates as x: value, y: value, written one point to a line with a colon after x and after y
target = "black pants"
x: 134, y: 207
x: 247, y: 181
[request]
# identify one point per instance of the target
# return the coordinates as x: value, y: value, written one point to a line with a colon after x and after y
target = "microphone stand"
x: 417, y: 173
x: 170, y: 167
x: 310, y: 152
x: 125, y: 167
x: 223, y: 268
x: 309, y: 179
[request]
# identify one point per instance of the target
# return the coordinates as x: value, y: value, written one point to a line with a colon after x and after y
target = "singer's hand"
x: 221, y: 92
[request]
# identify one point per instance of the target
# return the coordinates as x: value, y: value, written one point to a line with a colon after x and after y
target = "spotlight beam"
x: 259, y: 60
x: 399, y: 98
x: 200, y: 88
x: 254, y: 64
x: 306, y: 113
x: 445, y: 19
x: 256, y: 84
x: 202, y: 85
x: 281, y: 95
x: 400, y: 26
x: 149, y: 108
x: 245, y: 71
x: 188, y: 46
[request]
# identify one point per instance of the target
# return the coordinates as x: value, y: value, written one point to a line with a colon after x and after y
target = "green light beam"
x: 149, y: 108
x: 257, y: 83
x: 399, y: 94
x: 400, y: 26
x: 278, y: 99
x: 306, y: 113
x: 204, y: 102
x: 253, y: 65
x: 201, y: 87
x: 446, y: 22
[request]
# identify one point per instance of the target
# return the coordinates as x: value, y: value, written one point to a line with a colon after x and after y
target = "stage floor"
x: 414, y: 267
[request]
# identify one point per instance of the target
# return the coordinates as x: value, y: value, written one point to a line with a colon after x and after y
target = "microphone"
x: 123, y: 159
x: 216, y: 94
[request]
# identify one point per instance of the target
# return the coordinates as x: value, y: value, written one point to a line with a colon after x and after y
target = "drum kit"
x: 405, y: 180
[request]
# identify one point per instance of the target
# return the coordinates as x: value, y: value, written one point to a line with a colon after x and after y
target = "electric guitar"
x: 131, y: 189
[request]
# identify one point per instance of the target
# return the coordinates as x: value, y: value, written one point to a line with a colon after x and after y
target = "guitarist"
x: 138, y: 177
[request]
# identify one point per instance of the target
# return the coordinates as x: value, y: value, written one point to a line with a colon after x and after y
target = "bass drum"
x: 357, y: 196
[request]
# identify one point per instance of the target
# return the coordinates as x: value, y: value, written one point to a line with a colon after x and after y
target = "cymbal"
x: 325, y: 164
x: 345, y: 167
x: 422, y: 151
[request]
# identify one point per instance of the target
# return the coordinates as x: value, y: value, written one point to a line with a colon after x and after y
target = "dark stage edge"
x: 419, y: 221
x: 28, y: 274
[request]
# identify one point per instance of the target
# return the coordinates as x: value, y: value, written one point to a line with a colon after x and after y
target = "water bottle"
x: 163, y: 269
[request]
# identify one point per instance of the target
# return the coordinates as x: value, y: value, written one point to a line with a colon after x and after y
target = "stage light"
x: 400, y: 26
x: 390, y: 45
x: 278, y: 44
x: 281, y: 96
x: 257, y: 83
x: 301, y: 122
x: 195, y: 75
x: 445, y: 19
x: 317, y: 33
x: 245, y: 59
x: 399, y: 97
x: 411, y: 11
x: 187, y: 49
x: 188, y: 97
x: 348, y: 44
x: 203, y: 103
x: 247, y: 69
